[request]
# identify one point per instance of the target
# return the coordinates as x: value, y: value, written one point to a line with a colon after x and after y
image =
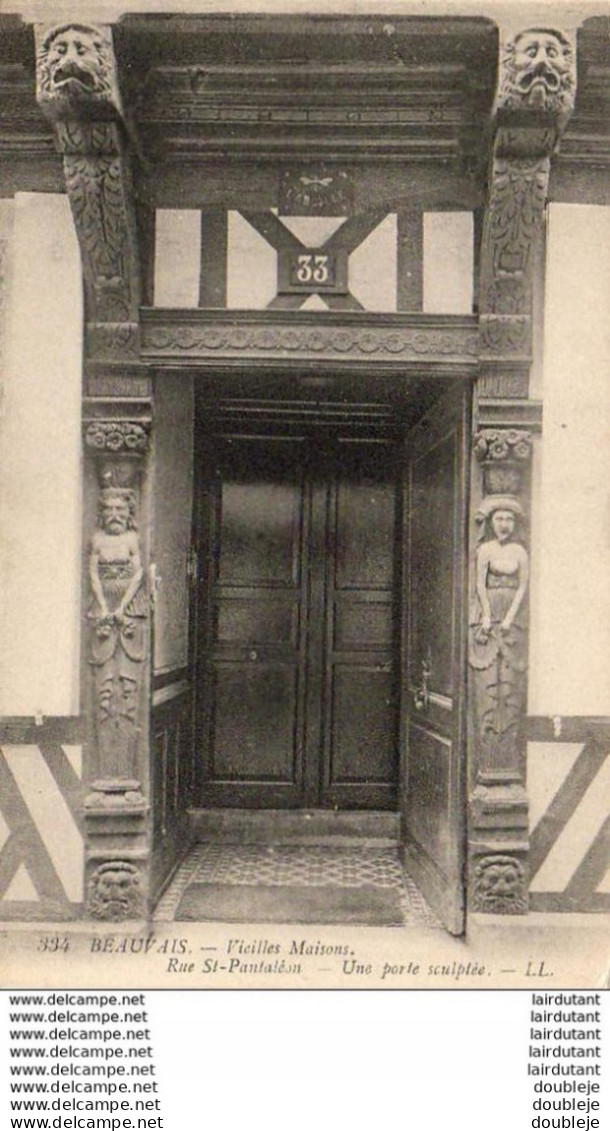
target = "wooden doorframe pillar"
x: 78, y: 91
x: 535, y: 98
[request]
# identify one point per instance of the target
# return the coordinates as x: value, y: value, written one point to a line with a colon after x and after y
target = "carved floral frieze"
x: 501, y: 444
x: 116, y: 436
x: 218, y: 339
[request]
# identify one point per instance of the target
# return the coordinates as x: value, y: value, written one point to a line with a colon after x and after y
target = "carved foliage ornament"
x: 115, y: 891
x: 96, y: 187
x: 76, y: 71
x: 538, y: 73
x: 517, y: 206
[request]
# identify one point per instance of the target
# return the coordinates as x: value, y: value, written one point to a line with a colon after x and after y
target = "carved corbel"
x: 535, y: 98
x: 77, y: 90
x: 498, y: 658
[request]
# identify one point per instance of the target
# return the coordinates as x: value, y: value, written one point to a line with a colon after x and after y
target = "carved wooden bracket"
x: 77, y: 90
x: 536, y: 91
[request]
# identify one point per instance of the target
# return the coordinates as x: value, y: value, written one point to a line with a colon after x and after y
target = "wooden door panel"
x: 433, y: 544
x: 298, y: 644
x: 252, y: 641
x: 434, y: 698
x: 361, y: 734
x: 254, y: 726
x: 428, y: 799
x: 254, y: 618
x: 364, y: 527
x: 260, y: 530
x: 364, y: 621
x: 363, y: 741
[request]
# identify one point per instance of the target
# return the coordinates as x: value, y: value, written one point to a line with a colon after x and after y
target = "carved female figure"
x: 498, y: 627
x: 118, y: 613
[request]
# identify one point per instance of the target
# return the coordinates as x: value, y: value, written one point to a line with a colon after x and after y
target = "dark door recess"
x: 297, y: 637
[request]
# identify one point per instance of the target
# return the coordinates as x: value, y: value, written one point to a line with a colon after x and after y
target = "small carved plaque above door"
x: 315, y: 191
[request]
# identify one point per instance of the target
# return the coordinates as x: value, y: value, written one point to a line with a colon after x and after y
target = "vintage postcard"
x: 304, y: 543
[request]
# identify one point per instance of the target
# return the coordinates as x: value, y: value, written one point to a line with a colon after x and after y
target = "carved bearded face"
x: 114, y: 892
x: 499, y: 883
x: 116, y: 510
x: 538, y: 72
x: 75, y: 66
x: 115, y: 515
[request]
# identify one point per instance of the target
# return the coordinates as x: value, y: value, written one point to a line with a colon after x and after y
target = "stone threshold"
x: 375, y: 829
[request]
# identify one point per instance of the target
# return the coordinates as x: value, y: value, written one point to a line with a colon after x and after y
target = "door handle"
x: 421, y: 695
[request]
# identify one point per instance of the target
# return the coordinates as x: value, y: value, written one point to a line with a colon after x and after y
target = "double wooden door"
x: 297, y: 634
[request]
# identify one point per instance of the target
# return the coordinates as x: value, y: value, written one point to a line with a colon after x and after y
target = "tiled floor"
x: 296, y: 865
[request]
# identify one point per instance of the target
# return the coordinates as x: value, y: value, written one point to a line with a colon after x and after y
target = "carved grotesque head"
x: 499, y: 884
x: 75, y: 70
x: 538, y: 72
x: 114, y: 891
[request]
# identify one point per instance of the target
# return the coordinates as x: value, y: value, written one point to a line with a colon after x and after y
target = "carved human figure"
x: 115, y: 565
x: 498, y: 625
x: 76, y: 69
x: 118, y: 615
x: 538, y: 72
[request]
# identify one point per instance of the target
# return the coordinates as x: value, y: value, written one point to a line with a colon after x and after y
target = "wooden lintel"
x: 388, y: 342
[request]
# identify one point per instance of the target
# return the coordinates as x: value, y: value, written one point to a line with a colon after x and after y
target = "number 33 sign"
x: 311, y: 271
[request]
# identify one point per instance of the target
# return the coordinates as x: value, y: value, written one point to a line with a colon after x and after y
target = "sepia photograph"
x: 305, y: 494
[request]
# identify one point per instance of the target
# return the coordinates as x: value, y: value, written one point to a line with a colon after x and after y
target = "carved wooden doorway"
x: 297, y: 630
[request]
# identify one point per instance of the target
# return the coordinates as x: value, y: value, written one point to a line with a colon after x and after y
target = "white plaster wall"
x: 448, y: 262
x: 177, y: 257
x: 570, y: 624
x: 251, y: 266
x: 40, y: 469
